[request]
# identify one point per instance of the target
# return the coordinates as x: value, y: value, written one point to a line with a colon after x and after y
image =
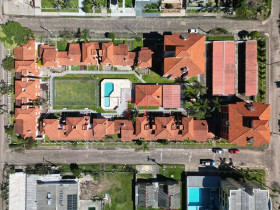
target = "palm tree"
x: 144, y: 147
x: 216, y: 105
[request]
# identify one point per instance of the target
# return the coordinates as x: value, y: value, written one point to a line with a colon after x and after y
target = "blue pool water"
x: 108, y: 89
x: 107, y: 102
x: 194, y: 196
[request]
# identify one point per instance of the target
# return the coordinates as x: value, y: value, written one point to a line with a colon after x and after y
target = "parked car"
x: 218, y: 150
x: 49, y: 195
x: 207, y: 162
x: 234, y: 151
x: 193, y: 30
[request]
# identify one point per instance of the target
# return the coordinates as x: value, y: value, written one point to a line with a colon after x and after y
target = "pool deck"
x: 120, y: 95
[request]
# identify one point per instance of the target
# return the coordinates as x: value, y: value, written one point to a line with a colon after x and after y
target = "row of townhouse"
x: 95, y: 53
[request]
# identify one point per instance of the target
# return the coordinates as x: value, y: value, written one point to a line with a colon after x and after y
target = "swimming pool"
x: 194, y: 196
x: 107, y: 102
x: 108, y: 89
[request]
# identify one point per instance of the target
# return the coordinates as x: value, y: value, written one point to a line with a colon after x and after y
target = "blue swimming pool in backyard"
x: 108, y: 89
x: 194, y: 196
x: 107, y: 102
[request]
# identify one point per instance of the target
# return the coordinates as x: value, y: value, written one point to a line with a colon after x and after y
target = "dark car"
x: 218, y: 150
x: 234, y: 151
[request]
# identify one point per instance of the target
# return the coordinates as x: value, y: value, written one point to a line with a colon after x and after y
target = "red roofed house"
x: 171, y: 95
x: 148, y: 95
x: 171, y: 128
x: 144, y: 59
x: 223, y: 68
x: 184, y: 56
x: 72, y: 57
x: 26, y: 68
x: 26, y: 121
x: 48, y: 55
x: 89, y: 53
x: 27, y: 90
x: 251, y: 69
x: 26, y: 52
x: 244, y: 123
x: 116, y: 55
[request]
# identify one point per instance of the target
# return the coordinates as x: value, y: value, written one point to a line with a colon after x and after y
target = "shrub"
x: 111, y: 36
x: 168, y: 6
x: 254, y: 34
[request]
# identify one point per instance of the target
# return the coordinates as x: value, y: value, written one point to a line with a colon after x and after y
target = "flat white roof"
x: 17, y: 186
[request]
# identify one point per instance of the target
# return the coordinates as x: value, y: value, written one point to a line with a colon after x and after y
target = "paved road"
x: 137, y: 25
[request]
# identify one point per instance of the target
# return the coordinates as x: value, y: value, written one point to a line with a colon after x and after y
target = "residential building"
x: 144, y: 58
x: 251, y: 68
x: 171, y: 96
x: 236, y: 195
x: 27, y: 90
x: 26, y: 119
x: 184, y: 55
x: 39, y: 192
x: 171, y: 128
x: 26, y: 52
x: 244, y: 123
x: 89, y: 53
x: 223, y: 71
x: 148, y: 95
x: 202, y: 192
x: 158, y: 194
x: 48, y: 55
x: 26, y: 69
x: 112, y: 55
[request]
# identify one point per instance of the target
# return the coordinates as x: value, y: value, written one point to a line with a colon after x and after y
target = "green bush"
x: 168, y: 6
x: 111, y: 36
x: 254, y: 34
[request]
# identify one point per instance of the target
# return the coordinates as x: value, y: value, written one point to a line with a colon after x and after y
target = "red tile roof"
x: 144, y: 58
x: 117, y: 55
x: 48, y: 55
x: 184, y: 54
x: 26, y: 121
x: 26, y: 51
x: 26, y: 68
x: 89, y: 53
x: 223, y: 68
x: 148, y: 95
x: 27, y: 90
x: 246, y: 123
x: 171, y: 95
x: 251, y: 68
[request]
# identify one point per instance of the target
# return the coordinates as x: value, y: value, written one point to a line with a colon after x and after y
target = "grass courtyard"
x: 75, y: 92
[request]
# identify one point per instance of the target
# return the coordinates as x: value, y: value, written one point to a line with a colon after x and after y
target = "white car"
x: 193, y: 30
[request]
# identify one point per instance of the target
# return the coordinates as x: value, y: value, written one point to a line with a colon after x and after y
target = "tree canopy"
x: 8, y: 63
x: 13, y: 34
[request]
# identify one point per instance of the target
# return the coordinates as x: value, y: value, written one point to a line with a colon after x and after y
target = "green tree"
x: 75, y: 170
x: 38, y: 102
x: 144, y: 147
x: 6, y: 88
x: 168, y: 6
x: 111, y: 36
x: 8, y: 63
x: 66, y: 34
x: 13, y: 34
x: 85, y: 35
x: 254, y: 35
x: 68, y: 3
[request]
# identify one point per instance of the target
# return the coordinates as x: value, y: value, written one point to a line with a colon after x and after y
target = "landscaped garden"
x: 60, y: 5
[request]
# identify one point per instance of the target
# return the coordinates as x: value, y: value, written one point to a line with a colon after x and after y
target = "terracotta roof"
x: 48, y: 55
x: 117, y: 55
x: 26, y: 51
x: 89, y: 52
x: 184, y: 54
x: 166, y: 128
x: 223, y: 67
x: 26, y: 121
x: 148, y: 95
x: 144, y: 58
x: 251, y: 68
x: 171, y: 96
x: 247, y: 121
x: 26, y: 68
x: 27, y: 90
x: 100, y: 128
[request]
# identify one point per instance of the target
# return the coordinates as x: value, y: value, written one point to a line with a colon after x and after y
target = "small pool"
x: 108, y: 89
x: 106, y: 102
x: 194, y: 196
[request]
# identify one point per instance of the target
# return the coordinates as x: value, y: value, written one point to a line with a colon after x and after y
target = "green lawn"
x: 62, y: 45
x: 258, y: 176
x: 75, y: 67
x: 172, y: 170
x: 51, y: 4
x: 120, y: 191
x: 153, y: 77
x: 47, y: 3
x: 128, y: 3
x: 75, y: 92
x: 218, y: 38
x: 145, y: 176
